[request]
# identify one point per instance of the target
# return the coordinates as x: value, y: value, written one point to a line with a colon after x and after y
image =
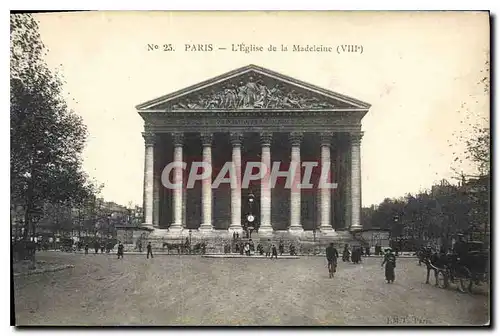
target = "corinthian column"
x: 295, y: 205
x: 178, y: 180
x: 236, y: 187
x: 325, y: 178
x: 206, y: 184
x: 265, y: 188
x: 149, y: 142
x: 356, y: 181
x: 346, y: 159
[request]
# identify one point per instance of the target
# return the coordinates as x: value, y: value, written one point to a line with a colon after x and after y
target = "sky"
x: 419, y: 71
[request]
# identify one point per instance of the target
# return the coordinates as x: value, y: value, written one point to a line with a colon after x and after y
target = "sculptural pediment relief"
x: 253, y: 93
x: 252, y: 87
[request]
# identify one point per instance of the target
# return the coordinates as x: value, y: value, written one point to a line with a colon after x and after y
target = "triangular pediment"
x: 252, y: 87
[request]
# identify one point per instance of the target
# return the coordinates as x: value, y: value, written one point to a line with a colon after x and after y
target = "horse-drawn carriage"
x: 466, y: 269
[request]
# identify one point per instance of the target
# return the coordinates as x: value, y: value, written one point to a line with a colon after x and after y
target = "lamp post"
x: 250, y: 217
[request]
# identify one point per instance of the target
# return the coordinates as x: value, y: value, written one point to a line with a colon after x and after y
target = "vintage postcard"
x: 250, y: 168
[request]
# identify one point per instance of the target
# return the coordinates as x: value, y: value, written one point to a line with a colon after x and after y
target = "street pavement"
x: 191, y: 290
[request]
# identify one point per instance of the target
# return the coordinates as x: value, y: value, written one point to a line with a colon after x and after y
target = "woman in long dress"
x: 390, y: 265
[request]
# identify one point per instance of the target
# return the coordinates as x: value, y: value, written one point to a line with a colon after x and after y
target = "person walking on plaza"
x: 268, y: 248
x: 150, y: 250
x: 247, y: 249
x: 346, y: 255
x: 274, y: 252
x: 281, y: 248
x: 120, y: 250
x: 331, y: 256
x: 390, y: 265
x: 86, y: 248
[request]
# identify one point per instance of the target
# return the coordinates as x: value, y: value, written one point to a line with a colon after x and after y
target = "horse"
x: 172, y: 247
x: 199, y: 248
x: 434, y: 261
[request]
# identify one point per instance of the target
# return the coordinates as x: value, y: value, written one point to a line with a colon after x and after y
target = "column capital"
x: 149, y: 138
x: 356, y: 138
x: 266, y: 138
x: 178, y: 139
x: 326, y: 138
x: 236, y: 138
x: 206, y: 139
x: 296, y: 138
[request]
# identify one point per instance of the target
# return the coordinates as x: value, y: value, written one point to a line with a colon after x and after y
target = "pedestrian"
x: 247, y: 249
x: 140, y: 246
x: 274, y: 252
x: 268, y: 248
x: 102, y: 247
x: 281, y: 248
x: 96, y: 247
x: 331, y: 256
x: 86, y: 248
x: 390, y: 265
x: 150, y: 250
x: 346, y: 255
x: 120, y: 250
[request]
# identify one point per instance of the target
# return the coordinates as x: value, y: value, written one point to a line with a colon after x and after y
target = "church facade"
x: 250, y: 115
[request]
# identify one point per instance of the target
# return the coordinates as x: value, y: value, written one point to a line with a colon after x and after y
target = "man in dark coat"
x: 120, y: 250
x: 149, y: 250
x: 274, y: 252
x: 281, y: 248
x: 390, y: 265
x: 331, y: 257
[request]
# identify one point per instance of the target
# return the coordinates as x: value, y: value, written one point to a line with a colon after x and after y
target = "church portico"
x: 248, y: 118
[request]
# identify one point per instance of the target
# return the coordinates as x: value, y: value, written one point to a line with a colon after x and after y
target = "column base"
x: 206, y: 228
x: 355, y: 228
x: 295, y: 229
x: 266, y: 231
x: 148, y: 226
x: 235, y: 228
x: 175, y: 228
x: 327, y: 231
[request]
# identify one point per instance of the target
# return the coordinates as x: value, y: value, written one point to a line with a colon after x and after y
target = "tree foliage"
x: 435, y: 215
x: 476, y: 135
x: 47, y: 138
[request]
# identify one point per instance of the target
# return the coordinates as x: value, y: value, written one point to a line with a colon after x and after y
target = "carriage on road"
x: 465, y: 270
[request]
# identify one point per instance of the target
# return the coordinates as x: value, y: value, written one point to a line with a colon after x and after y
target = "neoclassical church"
x: 252, y: 114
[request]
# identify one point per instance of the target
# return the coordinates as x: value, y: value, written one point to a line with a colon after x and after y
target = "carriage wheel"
x: 442, y: 279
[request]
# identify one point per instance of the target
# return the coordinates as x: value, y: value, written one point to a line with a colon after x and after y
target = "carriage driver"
x: 460, y: 247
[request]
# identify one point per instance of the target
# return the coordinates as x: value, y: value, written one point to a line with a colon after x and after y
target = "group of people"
x: 355, y: 255
x: 268, y: 248
x: 121, y: 249
x: 332, y: 256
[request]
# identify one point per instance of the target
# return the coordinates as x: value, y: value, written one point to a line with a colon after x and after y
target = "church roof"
x: 252, y: 87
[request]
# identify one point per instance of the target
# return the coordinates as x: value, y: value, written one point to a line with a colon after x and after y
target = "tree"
x: 47, y: 138
x: 476, y: 135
